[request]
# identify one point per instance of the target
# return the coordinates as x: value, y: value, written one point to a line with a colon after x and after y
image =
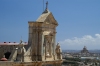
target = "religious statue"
x: 48, y: 43
x: 47, y: 46
x: 20, y: 51
x: 58, y: 51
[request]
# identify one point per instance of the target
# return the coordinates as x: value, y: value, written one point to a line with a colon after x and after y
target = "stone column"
x: 36, y: 45
x: 54, y: 46
x: 33, y: 45
x: 42, y: 47
x: 30, y: 36
x: 40, y: 50
x: 51, y: 38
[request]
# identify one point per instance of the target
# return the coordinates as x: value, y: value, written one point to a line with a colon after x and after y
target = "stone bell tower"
x: 41, y: 49
x: 42, y: 33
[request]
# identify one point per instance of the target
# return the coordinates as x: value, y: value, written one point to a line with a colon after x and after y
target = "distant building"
x: 83, y: 54
x: 84, y: 51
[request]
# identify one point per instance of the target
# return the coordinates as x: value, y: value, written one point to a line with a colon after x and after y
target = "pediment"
x: 50, y: 20
x: 47, y: 18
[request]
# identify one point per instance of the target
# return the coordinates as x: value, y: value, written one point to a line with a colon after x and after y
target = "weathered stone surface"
x: 41, y: 48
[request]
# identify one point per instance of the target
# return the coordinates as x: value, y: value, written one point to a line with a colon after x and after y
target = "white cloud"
x: 97, y: 35
x: 77, y: 43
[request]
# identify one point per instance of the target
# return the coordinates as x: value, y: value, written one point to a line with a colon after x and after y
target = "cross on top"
x: 46, y: 10
x: 46, y: 4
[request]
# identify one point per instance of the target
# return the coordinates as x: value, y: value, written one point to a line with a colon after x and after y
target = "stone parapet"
x: 34, y: 63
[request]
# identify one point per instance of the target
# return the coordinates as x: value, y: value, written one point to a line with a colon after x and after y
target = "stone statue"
x: 48, y: 44
x: 20, y: 51
x: 58, y: 51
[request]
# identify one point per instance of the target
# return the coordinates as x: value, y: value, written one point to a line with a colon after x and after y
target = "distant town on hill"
x: 77, y: 51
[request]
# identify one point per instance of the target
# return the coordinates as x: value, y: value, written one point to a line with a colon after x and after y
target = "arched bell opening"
x: 7, y: 55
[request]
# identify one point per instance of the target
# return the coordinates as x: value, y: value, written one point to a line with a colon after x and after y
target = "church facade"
x: 41, y: 49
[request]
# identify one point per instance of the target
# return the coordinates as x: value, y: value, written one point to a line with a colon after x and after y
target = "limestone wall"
x: 6, y: 48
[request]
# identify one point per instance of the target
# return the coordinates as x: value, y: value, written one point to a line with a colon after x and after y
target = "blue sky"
x: 78, y: 20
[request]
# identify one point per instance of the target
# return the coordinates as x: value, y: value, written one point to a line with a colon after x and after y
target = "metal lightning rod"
x: 43, y: 5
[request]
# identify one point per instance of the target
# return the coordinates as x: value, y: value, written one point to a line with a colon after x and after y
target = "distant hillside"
x: 76, y: 51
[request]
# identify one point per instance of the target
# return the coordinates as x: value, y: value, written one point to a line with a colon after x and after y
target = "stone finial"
x: 47, y: 5
x: 58, y: 44
x: 21, y: 42
x: 46, y: 10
